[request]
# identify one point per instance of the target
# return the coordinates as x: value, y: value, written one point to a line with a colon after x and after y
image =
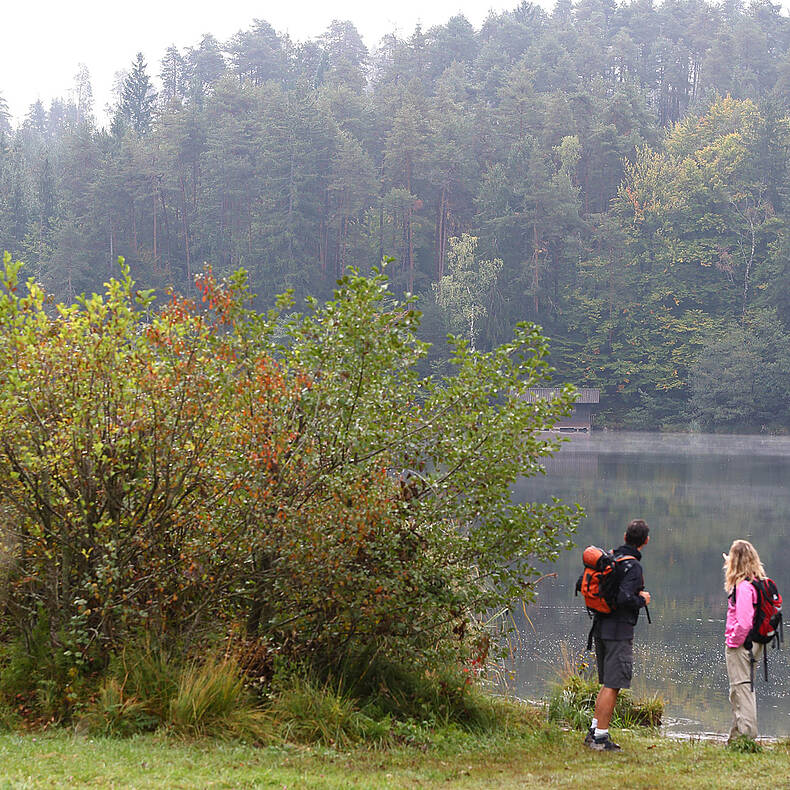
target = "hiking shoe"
x: 605, y: 744
x: 590, y: 737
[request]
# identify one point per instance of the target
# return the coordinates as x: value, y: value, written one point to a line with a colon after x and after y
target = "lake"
x: 698, y: 493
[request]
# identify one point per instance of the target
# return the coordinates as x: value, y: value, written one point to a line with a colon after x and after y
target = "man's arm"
x: 630, y: 587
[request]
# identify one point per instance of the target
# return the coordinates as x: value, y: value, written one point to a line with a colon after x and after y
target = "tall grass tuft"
x: 196, y: 700
x: 116, y: 713
x: 572, y: 702
x: 309, y: 711
x: 744, y: 744
x: 154, y: 677
x: 135, y: 694
x: 212, y: 700
x: 372, y: 699
x: 572, y: 699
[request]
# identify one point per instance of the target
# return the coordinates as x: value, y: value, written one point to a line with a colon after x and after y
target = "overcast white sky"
x: 42, y: 42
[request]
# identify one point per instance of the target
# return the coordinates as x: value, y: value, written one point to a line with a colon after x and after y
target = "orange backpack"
x: 599, y: 581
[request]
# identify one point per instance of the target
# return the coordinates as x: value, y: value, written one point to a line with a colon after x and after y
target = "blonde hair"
x: 742, y: 564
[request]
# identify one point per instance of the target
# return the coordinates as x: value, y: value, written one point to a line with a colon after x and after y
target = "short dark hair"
x: 637, y: 532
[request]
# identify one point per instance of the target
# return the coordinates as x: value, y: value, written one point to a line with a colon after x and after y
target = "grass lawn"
x: 545, y: 757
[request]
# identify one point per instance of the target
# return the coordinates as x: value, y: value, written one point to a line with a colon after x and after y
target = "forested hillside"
x: 615, y: 173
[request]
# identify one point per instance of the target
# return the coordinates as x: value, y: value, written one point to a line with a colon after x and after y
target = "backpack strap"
x: 765, y: 661
x: 631, y: 557
x: 623, y: 569
x: 625, y: 557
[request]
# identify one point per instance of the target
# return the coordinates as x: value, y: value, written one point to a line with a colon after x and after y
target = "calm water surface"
x: 698, y: 493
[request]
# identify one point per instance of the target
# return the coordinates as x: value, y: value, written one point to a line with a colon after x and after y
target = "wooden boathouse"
x: 581, y: 417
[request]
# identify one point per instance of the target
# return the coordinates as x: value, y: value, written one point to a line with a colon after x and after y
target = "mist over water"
x: 698, y: 493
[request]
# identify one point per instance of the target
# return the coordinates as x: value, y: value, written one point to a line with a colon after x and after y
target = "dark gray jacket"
x: 620, y: 623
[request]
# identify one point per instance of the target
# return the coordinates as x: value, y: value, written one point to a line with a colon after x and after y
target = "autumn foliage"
x: 194, y: 470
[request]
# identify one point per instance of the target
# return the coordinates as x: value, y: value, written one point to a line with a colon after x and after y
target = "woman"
x: 741, y: 566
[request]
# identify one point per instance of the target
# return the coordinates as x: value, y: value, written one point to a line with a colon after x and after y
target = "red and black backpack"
x: 767, y: 627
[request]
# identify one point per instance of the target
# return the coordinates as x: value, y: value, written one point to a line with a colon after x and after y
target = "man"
x: 614, y: 635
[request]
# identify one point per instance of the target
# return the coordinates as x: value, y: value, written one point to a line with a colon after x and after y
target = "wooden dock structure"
x: 580, y: 420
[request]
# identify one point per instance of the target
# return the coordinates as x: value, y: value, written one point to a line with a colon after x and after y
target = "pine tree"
x: 5, y: 116
x: 206, y: 65
x: 37, y: 118
x: 83, y: 94
x: 137, y: 100
x: 258, y: 54
x: 173, y: 76
x: 46, y: 194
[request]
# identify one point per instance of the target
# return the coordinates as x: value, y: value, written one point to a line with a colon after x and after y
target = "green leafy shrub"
x: 10, y: 720
x: 292, y: 477
x: 403, y: 690
x: 39, y: 682
x: 108, y: 487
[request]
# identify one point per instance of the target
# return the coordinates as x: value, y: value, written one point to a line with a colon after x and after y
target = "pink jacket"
x: 740, y: 615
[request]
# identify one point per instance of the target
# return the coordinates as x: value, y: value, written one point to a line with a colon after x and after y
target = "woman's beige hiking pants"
x: 742, y: 698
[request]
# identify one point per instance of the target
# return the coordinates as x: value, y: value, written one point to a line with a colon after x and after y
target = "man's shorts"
x: 615, y: 659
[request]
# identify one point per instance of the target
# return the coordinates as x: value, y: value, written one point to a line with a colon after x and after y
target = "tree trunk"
x: 168, y: 241
x: 323, y: 235
x: 343, y: 240
x: 441, y: 233
x: 155, y: 213
x: 381, y: 210
x: 535, y: 275
x: 291, y: 189
x: 411, y: 253
x: 186, y: 228
x: 749, y: 263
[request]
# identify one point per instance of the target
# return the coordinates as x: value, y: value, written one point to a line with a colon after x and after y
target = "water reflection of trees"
x: 693, y: 522
x: 578, y: 464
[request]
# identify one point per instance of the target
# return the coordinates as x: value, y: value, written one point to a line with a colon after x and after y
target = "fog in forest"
x: 616, y: 173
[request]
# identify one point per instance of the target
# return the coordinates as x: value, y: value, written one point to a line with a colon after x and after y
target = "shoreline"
x: 662, y: 731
